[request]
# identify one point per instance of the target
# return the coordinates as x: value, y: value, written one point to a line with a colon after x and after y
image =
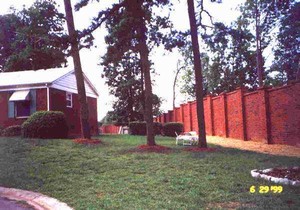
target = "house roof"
x: 41, y: 76
x: 44, y: 77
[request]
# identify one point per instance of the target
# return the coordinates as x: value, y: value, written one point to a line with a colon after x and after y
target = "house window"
x: 69, y: 100
x: 22, y: 108
x: 21, y: 103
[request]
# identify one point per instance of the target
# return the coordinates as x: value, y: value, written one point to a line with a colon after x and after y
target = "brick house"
x: 25, y: 92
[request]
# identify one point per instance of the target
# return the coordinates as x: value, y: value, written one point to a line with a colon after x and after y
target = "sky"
x: 164, y: 62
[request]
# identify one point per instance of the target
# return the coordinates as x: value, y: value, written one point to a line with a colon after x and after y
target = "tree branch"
x: 102, y: 17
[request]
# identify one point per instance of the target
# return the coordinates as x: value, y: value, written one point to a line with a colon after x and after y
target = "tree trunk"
x: 145, y: 64
x: 130, y: 100
x: 198, y: 74
x: 84, y: 112
x: 259, y: 58
x: 143, y: 91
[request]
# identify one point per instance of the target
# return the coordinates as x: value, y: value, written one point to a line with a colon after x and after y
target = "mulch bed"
x: 290, y: 173
x: 199, y: 149
x: 146, y: 148
x: 87, y: 141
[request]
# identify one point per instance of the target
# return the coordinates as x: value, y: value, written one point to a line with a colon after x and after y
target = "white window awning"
x: 22, y: 95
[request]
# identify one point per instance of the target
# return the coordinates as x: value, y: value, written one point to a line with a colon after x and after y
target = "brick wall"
x: 219, y: 115
x: 110, y: 129
x: 284, y: 106
x: 256, y: 129
x: 269, y: 115
x: 58, y: 103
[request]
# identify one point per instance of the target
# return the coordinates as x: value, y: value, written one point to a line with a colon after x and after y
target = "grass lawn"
x: 109, y: 176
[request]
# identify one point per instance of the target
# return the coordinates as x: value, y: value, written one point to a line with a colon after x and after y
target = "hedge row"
x: 139, y: 128
x: 168, y: 129
x: 171, y: 128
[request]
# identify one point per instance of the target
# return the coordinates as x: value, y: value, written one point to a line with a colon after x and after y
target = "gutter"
x: 48, y: 97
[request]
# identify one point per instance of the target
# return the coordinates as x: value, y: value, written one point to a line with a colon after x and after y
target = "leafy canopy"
x: 33, y: 38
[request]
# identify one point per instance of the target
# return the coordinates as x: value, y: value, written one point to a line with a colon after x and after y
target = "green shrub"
x: 45, y: 124
x: 14, y: 130
x: 137, y: 128
x: 157, y: 128
x: 170, y: 128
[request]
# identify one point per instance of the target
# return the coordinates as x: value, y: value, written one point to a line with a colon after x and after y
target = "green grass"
x: 110, y: 177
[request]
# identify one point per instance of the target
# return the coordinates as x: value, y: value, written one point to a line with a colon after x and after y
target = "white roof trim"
x: 21, y: 95
x: 22, y: 88
x: 71, y: 90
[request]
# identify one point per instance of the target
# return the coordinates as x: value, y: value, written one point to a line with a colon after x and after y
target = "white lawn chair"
x: 187, y: 138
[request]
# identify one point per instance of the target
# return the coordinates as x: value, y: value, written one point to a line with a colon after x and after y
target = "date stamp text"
x: 266, y: 189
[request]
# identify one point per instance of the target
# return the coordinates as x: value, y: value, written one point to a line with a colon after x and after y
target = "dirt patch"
x: 100, y: 195
x: 87, y: 141
x: 156, y: 148
x: 272, y: 149
x: 199, y: 149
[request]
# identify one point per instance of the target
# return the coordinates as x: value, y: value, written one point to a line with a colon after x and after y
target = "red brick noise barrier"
x: 109, y: 129
x: 270, y: 115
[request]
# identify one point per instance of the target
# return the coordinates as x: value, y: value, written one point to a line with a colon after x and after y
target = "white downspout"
x: 48, y: 98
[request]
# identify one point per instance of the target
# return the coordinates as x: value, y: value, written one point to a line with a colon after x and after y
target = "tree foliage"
x: 263, y: 16
x: 126, y: 84
x: 32, y: 38
x: 229, y: 62
x: 287, y: 51
x: 231, y: 58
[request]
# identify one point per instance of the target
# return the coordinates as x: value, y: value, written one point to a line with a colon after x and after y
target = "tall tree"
x: 287, y: 50
x: 264, y: 16
x: 123, y: 79
x: 126, y: 84
x: 33, y: 38
x: 232, y: 57
x: 137, y: 11
x: 198, y: 74
x: 136, y: 27
x: 187, y: 77
x: 73, y: 38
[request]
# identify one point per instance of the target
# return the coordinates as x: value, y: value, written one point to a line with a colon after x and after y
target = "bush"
x: 45, y: 124
x: 14, y: 130
x: 139, y: 128
x: 170, y: 128
x: 157, y: 128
